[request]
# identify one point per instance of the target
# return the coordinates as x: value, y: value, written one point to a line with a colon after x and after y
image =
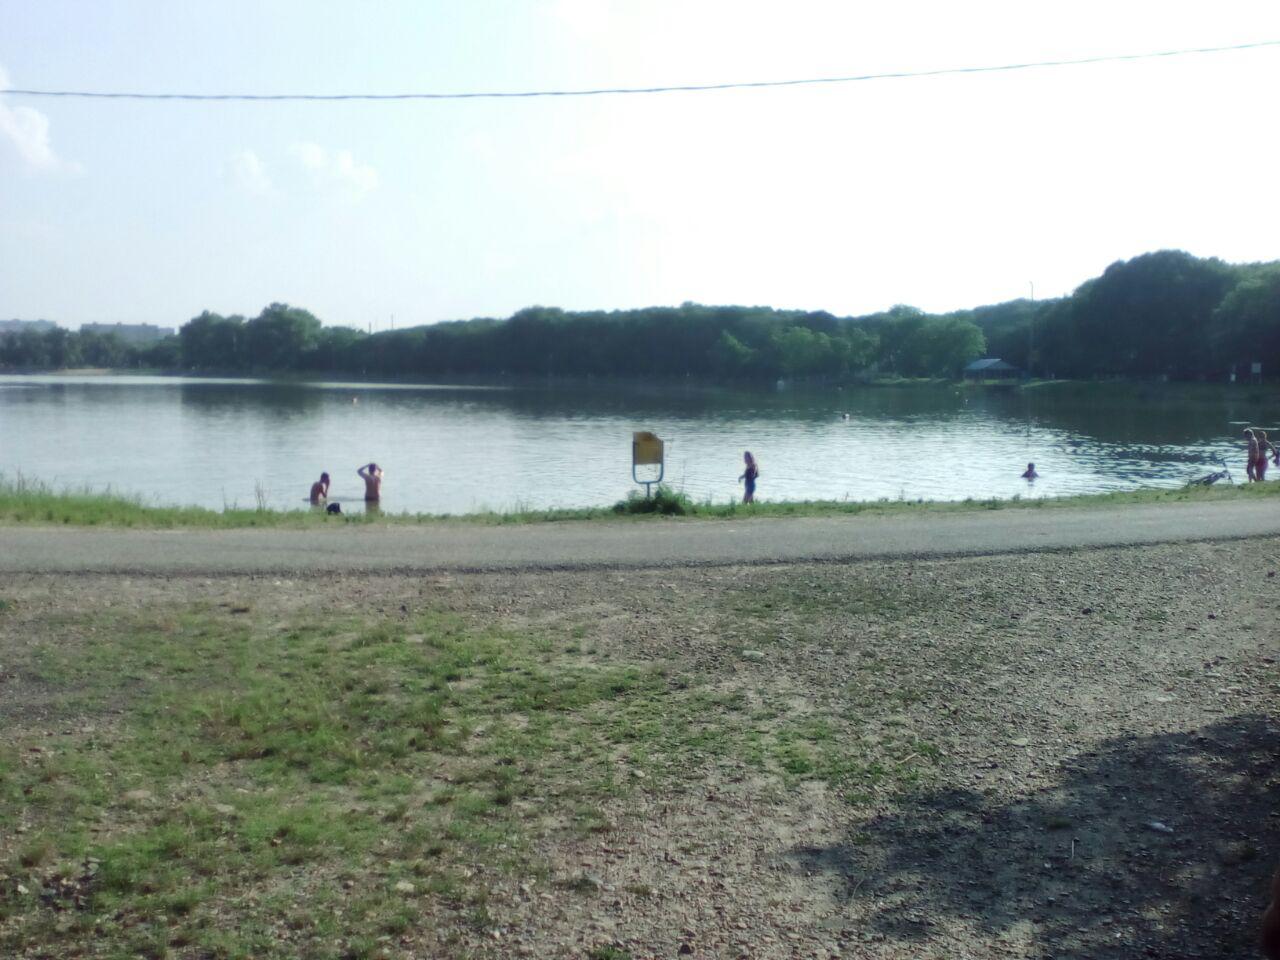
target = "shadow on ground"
x: 1078, y: 870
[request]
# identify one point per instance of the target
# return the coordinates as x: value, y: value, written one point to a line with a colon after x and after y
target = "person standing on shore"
x: 749, y: 475
x: 372, y: 477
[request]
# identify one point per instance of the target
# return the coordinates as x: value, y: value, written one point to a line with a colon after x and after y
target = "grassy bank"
x: 25, y: 501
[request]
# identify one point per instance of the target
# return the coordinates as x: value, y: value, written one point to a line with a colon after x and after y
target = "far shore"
x: 500, y: 380
x: 86, y: 372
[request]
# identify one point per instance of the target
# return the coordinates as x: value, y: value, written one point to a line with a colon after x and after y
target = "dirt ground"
x: 1045, y: 755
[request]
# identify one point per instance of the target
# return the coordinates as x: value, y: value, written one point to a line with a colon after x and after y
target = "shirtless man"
x: 372, y: 477
x: 320, y: 489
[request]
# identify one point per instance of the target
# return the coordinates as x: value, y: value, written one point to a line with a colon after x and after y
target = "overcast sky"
x: 939, y: 192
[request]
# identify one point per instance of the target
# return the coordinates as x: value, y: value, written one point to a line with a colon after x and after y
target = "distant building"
x: 130, y: 332
x: 991, y: 368
x: 13, y: 327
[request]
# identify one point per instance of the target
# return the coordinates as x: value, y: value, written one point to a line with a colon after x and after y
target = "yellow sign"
x: 645, y: 448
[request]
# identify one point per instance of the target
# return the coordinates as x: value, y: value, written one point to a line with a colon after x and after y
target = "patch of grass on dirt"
x: 226, y: 765
x: 228, y: 782
x: 223, y: 757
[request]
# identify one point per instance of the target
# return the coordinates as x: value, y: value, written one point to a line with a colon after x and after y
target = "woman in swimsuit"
x: 1266, y: 451
x: 749, y: 475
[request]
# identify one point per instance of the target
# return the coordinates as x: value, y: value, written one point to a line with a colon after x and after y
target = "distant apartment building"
x: 12, y: 327
x: 130, y: 332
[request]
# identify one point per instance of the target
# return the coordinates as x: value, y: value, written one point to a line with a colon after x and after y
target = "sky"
x: 939, y: 192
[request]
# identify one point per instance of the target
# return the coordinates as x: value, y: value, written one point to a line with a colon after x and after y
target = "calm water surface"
x: 449, y: 449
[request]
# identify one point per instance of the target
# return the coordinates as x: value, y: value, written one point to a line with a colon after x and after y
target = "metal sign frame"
x: 647, y: 449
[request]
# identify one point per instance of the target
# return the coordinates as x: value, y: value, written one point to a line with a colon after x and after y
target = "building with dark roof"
x: 991, y: 368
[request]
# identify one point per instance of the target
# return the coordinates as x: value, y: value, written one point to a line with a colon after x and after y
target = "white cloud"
x: 27, y: 131
x: 249, y: 173
x: 335, y: 169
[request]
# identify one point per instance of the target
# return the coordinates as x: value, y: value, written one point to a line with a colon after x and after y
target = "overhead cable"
x: 610, y: 91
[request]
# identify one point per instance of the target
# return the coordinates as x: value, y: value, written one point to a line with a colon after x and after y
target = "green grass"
x: 26, y: 501
x: 385, y: 751
x: 214, y: 763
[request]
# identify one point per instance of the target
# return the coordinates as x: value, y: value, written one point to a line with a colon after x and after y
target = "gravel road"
x: 588, y: 545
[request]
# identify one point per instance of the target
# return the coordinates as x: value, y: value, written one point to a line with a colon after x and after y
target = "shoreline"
x: 26, y: 502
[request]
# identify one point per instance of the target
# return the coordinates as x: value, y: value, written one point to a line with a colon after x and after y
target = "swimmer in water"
x: 372, y: 477
x: 320, y: 490
x: 1030, y: 472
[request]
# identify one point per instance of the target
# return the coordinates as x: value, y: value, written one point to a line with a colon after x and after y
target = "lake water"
x: 448, y: 449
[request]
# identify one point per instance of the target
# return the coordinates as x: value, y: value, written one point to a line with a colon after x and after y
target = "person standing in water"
x: 320, y: 490
x: 749, y: 475
x: 372, y: 477
x: 1266, y: 451
x: 1030, y: 472
x: 1251, y: 468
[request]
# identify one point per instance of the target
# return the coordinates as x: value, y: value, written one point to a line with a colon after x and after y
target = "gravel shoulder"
x: 1041, y: 754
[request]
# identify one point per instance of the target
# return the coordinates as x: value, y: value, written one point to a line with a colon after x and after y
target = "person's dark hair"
x: 372, y: 466
x: 324, y: 478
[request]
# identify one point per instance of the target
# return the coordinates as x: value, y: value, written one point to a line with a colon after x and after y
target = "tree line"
x: 1161, y: 314
x: 697, y: 341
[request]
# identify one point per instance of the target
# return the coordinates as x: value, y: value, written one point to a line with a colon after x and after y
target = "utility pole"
x: 1031, y: 328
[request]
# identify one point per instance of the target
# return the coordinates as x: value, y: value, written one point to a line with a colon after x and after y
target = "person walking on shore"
x: 749, y: 475
x: 1251, y: 468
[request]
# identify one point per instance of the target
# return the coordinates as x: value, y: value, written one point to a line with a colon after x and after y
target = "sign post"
x: 646, y: 450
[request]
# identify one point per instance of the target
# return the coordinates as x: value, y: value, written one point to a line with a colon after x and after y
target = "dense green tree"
x: 281, y: 338
x: 730, y: 357
x: 1247, y: 323
x: 103, y: 350
x: 213, y: 342
x: 1149, y: 316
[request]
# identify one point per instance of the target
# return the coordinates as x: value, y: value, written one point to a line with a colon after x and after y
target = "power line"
x: 608, y: 91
